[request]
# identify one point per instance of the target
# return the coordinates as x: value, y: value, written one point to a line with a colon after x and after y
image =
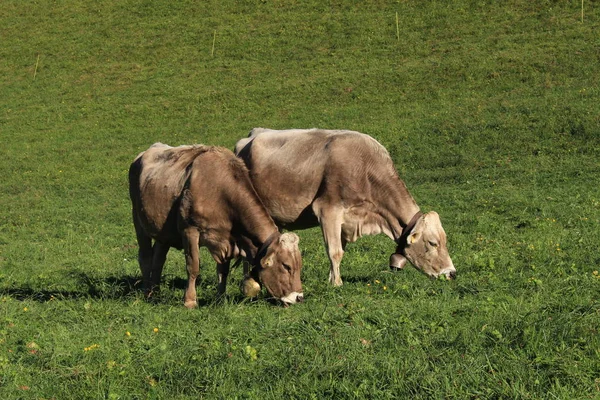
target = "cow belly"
x: 287, y: 191
x: 306, y: 219
x: 287, y: 210
x: 357, y: 224
x: 174, y: 241
x: 169, y: 235
x: 162, y: 229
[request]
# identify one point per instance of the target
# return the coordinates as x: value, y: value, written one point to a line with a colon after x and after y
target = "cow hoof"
x: 191, y: 304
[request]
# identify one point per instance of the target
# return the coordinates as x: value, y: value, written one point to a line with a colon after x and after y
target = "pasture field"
x: 490, y: 110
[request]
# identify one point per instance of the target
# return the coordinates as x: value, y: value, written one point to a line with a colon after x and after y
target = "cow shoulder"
x: 218, y: 180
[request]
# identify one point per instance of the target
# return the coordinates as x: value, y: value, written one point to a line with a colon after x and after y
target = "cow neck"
x: 257, y: 225
x: 408, y: 228
x: 396, y: 202
x: 262, y: 251
x: 400, y: 218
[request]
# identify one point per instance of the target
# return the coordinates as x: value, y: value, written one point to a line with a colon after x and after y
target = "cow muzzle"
x: 293, y: 298
x: 449, y: 273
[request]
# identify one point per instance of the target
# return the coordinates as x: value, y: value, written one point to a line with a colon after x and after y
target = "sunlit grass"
x: 490, y: 113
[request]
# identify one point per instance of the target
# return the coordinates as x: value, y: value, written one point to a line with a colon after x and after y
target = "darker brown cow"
x: 345, y: 182
x: 191, y: 196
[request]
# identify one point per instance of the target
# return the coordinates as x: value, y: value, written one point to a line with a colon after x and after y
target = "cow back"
x: 290, y: 168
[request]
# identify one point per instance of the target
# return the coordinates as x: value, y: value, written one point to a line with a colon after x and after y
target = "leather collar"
x: 402, y: 240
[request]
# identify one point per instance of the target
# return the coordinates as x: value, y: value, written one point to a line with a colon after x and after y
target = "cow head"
x: 278, y: 270
x: 424, y: 245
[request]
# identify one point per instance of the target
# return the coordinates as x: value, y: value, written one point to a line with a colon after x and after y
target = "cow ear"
x: 266, y: 262
x: 413, y: 237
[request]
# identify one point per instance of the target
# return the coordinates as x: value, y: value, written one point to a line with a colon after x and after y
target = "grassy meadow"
x: 490, y: 110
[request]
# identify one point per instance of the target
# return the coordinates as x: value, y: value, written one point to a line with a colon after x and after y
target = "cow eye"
x: 433, y: 244
x: 287, y: 268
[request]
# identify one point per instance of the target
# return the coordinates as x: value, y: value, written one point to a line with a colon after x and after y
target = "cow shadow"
x: 111, y: 287
x: 370, y: 278
x: 357, y: 279
x: 126, y: 288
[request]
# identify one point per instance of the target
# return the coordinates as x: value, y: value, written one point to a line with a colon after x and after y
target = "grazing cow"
x: 345, y: 182
x: 191, y: 196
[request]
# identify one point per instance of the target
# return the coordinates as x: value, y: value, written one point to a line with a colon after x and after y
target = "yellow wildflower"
x: 92, y: 347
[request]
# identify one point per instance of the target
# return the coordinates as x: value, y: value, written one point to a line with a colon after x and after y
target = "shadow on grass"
x: 124, y: 288
x: 357, y: 279
x: 95, y: 288
x: 370, y: 278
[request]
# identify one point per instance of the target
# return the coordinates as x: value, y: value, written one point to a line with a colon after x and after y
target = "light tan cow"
x: 345, y: 182
x: 191, y: 196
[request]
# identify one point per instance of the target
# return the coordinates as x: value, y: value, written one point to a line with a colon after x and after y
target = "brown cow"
x: 191, y: 196
x: 345, y: 182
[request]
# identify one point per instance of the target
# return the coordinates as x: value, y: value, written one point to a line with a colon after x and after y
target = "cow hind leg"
x: 192, y: 259
x: 145, y: 256
x: 159, y: 256
x: 331, y: 225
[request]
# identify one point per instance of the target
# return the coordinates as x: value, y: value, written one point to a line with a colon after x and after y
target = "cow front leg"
x: 192, y: 259
x: 331, y: 225
x: 222, y: 273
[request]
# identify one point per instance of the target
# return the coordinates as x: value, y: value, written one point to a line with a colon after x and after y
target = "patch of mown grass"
x: 489, y: 111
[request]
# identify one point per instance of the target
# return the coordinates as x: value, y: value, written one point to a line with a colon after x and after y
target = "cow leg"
x: 246, y: 268
x: 222, y: 273
x: 159, y: 256
x: 331, y: 225
x: 144, y: 255
x: 191, y: 239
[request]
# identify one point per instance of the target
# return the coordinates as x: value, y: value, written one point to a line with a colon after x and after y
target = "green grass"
x: 489, y: 110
